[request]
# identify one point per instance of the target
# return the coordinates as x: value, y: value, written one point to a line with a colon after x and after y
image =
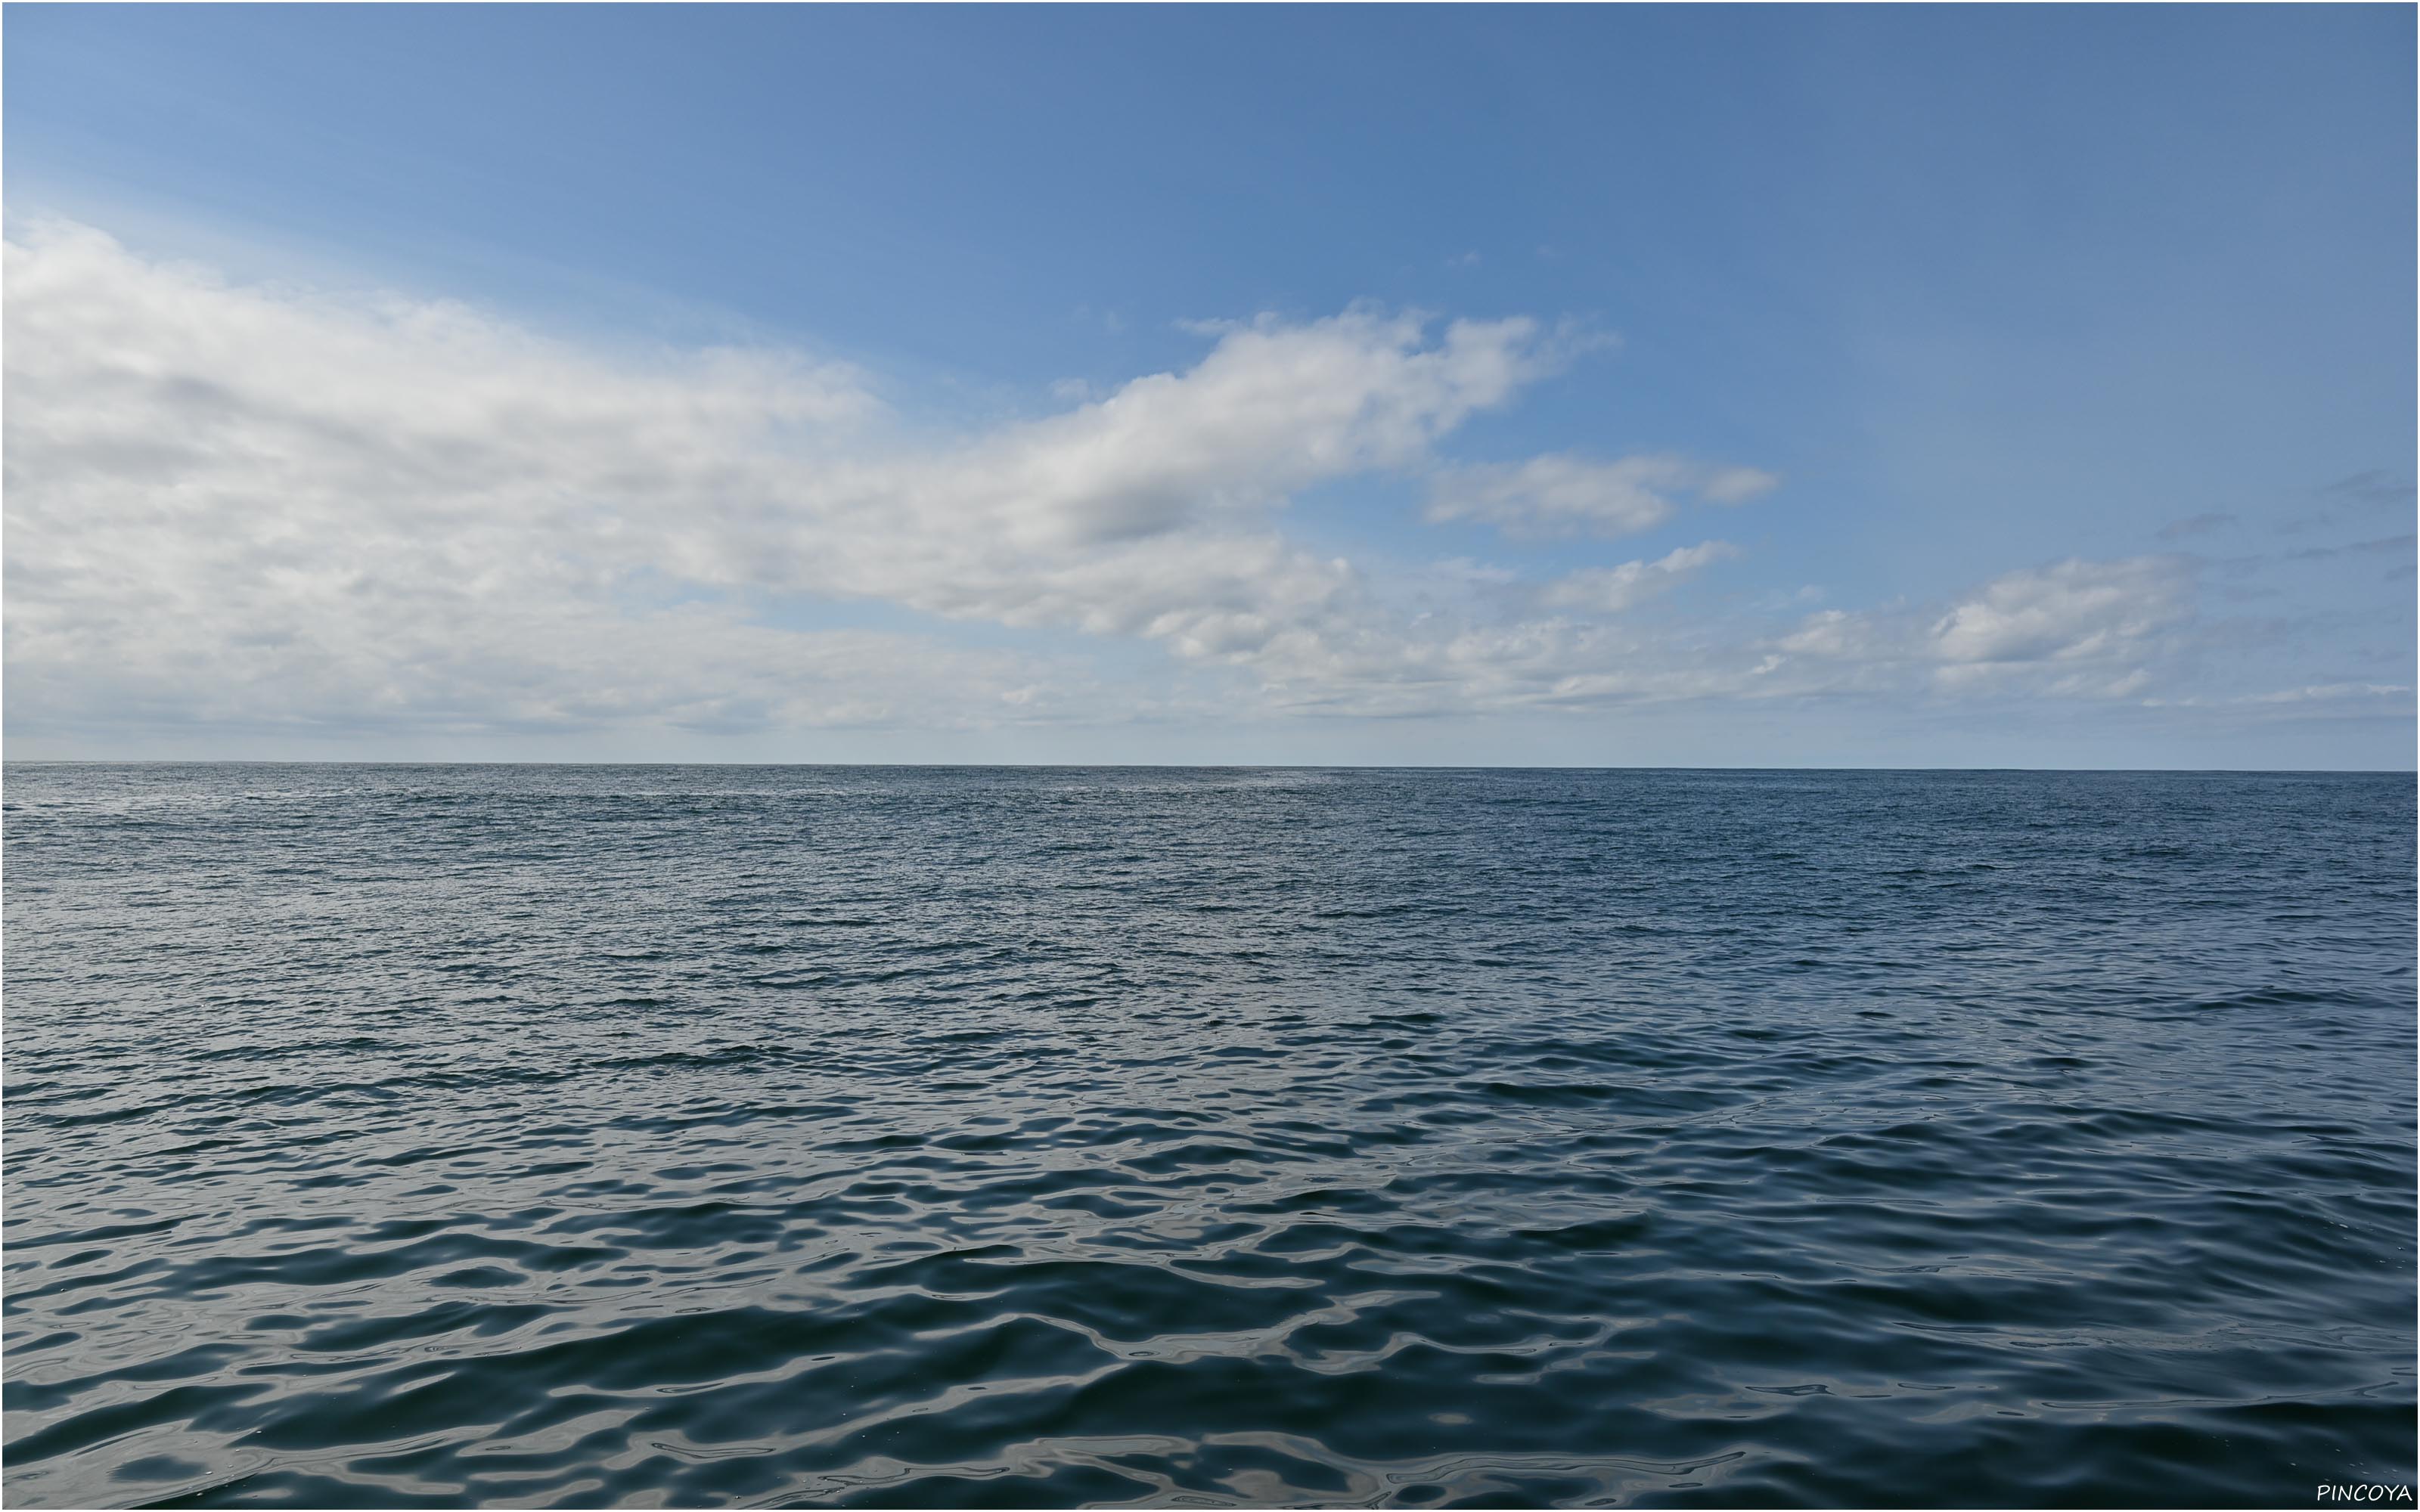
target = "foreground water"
x: 396, y: 1135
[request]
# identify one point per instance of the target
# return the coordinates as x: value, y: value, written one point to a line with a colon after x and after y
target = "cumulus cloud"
x: 274, y: 504
x: 1564, y: 494
x: 2075, y: 610
x: 2076, y: 628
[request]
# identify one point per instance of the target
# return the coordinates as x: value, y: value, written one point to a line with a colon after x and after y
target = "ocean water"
x: 423, y: 1136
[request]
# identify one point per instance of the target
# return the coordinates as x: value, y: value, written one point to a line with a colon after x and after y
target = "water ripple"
x: 426, y: 1135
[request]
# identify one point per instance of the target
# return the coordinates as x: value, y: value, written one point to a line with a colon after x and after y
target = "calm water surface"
x: 421, y: 1136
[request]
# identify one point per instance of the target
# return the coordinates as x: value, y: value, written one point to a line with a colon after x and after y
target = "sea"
x: 512, y: 1136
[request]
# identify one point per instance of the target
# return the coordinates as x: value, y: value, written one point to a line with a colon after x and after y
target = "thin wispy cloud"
x: 1567, y: 494
x: 1612, y: 590
x: 2374, y: 487
x: 2197, y: 525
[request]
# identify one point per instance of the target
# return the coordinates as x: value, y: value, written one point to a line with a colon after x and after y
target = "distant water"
x: 396, y: 1135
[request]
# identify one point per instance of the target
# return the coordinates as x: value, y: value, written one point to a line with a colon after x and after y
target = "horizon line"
x: 1211, y: 766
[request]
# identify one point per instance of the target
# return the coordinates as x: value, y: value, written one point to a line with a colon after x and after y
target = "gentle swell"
x: 432, y: 1135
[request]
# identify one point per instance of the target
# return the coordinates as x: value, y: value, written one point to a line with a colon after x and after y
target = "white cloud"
x: 268, y: 504
x: 1612, y: 590
x: 1831, y: 633
x: 2074, y: 630
x: 254, y: 508
x: 1564, y: 494
x: 2069, y: 611
x: 2328, y: 693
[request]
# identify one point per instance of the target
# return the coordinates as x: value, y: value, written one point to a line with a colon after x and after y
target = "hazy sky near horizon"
x: 1692, y: 385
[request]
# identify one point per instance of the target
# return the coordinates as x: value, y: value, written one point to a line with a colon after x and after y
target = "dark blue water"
x: 421, y: 1135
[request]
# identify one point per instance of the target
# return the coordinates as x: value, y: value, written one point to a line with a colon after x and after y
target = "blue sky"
x: 1693, y: 385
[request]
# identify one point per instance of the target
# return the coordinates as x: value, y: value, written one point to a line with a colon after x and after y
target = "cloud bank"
x: 253, y: 507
